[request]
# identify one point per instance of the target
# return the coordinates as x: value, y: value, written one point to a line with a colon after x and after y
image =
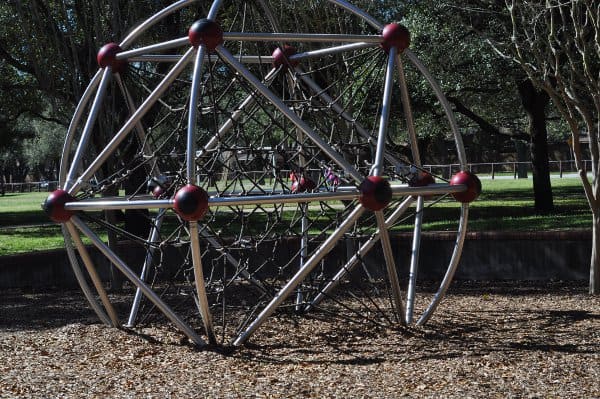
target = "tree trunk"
x: 595, y: 261
x: 534, y: 102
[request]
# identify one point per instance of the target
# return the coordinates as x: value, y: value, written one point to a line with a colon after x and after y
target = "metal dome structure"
x: 253, y: 155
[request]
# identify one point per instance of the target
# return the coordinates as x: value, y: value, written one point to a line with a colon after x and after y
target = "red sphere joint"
x: 158, y: 191
x: 54, y: 206
x: 395, y: 35
x: 206, y: 32
x: 191, y: 203
x: 282, y: 57
x: 422, y: 179
x: 375, y: 193
x: 471, y: 181
x: 305, y: 184
x: 107, y: 57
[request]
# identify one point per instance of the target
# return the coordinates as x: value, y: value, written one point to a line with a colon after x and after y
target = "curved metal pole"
x: 89, y: 125
x: 214, y: 9
x: 291, y: 115
x: 310, y: 264
x: 87, y: 261
x: 133, y: 120
x: 439, y: 93
x: 453, y: 265
x: 151, y: 295
x: 140, y: 29
x: 141, y: 51
x: 359, y: 13
x: 87, y: 95
x: 87, y: 292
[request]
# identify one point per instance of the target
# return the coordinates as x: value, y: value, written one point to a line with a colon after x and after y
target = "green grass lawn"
x: 505, y: 204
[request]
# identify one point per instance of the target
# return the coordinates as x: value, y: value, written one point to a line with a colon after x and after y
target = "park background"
x: 506, y: 339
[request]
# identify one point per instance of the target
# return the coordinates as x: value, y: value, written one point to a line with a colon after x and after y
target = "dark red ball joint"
x: 375, y: 193
x: 471, y: 181
x: 191, y: 203
x: 107, y: 57
x: 282, y: 57
x: 206, y: 32
x: 395, y: 35
x: 422, y: 179
x: 54, y: 206
x: 305, y: 184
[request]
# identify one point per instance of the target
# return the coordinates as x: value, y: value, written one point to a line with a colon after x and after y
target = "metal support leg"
x: 203, y: 307
x: 87, y: 261
x: 154, y: 234
x: 151, y: 295
x: 390, y: 265
x: 414, y: 262
x: 82, y: 281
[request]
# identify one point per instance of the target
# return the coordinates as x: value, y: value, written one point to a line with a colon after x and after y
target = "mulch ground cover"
x: 508, y: 339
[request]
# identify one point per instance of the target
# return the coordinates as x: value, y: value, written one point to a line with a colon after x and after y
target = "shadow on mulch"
x: 319, y: 338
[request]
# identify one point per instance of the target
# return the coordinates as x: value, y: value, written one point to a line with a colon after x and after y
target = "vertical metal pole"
x: 362, y: 251
x: 303, y: 251
x: 87, y: 261
x: 122, y: 266
x: 285, y: 292
x: 154, y: 234
x: 414, y: 262
x: 377, y: 169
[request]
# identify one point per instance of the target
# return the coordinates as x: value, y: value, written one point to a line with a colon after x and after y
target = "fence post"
x: 560, y: 169
x: 493, y: 171
x: 514, y: 170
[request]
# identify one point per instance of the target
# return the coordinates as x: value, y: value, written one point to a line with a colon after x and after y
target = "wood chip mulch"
x: 486, y: 340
